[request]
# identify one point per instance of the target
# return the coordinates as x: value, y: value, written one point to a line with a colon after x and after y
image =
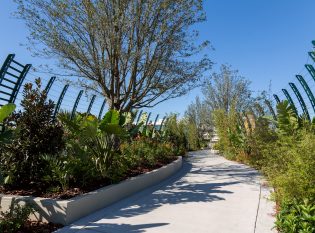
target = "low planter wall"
x: 68, y: 211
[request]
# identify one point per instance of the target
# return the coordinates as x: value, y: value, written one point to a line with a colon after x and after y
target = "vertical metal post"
x: 101, y: 110
x: 49, y: 84
x: 155, y: 121
x: 300, y: 99
x: 287, y: 95
x: 62, y: 95
x: 90, y: 105
x: 272, y: 111
x: 307, y: 90
x: 148, y: 118
x: 163, y: 120
x: 312, y: 55
x: 276, y: 98
x: 311, y: 70
x: 76, y: 103
x: 139, y: 116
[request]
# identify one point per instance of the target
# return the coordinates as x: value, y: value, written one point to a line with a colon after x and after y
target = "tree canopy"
x: 199, y: 113
x: 227, y: 89
x: 136, y: 53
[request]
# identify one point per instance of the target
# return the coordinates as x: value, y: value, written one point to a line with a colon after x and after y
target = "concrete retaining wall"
x: 68, y: 211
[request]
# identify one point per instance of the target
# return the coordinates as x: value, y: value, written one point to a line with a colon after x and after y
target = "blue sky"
x: 266, y: 40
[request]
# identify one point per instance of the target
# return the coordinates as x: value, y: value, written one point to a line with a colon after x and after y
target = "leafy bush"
x: 48, y: 155
x: 174, y: 132
x: 232, y: 137
x: 296, y: 218
x: 12, y: 220
x: 5, y: 111
x: 290, y: 165
x: 284, y: 151
x: 146, y: 152
x: 36, y: 134
x: 86, y: 136
x: 192, y: 136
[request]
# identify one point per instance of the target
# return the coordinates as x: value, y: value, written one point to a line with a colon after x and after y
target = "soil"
x: 39, y: 227
x: 75, y: 191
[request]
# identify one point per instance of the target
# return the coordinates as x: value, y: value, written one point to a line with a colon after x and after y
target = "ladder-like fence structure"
x: 304, y: 101
x: 299, y: 95
x: 13, y: 75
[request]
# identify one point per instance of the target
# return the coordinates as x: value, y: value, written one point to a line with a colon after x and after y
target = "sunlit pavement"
x: 209, y: 194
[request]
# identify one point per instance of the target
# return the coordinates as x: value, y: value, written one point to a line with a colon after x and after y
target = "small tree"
x: 199, y: 114
x: 226, y: 89
x: 36, y: 134
x: 135, y: 53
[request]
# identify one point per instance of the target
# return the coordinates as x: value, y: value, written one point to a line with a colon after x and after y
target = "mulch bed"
x: 39, y: 227
x: 72, y: 192
x: 42, y: 227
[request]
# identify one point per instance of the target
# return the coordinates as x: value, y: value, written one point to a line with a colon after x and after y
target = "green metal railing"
x: 300, y: 99
x: 12, y: 75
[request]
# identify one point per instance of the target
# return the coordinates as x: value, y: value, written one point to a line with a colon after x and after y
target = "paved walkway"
x: 208, y: 195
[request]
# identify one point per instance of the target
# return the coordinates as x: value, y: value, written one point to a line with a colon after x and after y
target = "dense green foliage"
x: 48, y: 155
x: 199, y: 124
x: 12, y: 220
x: 36, y: 133
x: 283, y: 150
x: 183, y: 133
x: 147, y: 152
x: 5, y: 111
x: 295, y: 217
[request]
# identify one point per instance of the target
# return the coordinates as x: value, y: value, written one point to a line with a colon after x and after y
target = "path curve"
x: 208, y: 195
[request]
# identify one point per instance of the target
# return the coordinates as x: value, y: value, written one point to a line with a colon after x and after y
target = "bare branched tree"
x: 227, y: 89
x: 137, y: 53
x: 199, y: 113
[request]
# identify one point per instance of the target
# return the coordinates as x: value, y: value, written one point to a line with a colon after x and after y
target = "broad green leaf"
x: 112, y: 129
x: 112, y: 117
x: 8, y: 179
x: 6, y: 110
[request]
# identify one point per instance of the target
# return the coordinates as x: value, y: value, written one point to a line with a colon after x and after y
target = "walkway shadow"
x: 119, y: 228
x: 235, y: 172
x: 195, y: 182
x: 175, y: 190
x: 111, y: 228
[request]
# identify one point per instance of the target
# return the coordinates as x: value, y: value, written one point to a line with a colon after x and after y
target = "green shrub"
x: 146, y: 152
x: 296, y: 217
x: 290, y: 166
x: 12, y: 220
x: 284, y: 150
x: 231, y: 135
x: 5, y: 111
x: 192, y: 136
x: 174, y: 132
x: 36, y: 134
x: 92, y: 147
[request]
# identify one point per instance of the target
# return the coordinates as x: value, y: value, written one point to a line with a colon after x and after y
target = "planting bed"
x: 67, y: 211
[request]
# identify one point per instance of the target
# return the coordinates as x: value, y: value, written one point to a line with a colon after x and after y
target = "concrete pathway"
x: 209, y: 194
